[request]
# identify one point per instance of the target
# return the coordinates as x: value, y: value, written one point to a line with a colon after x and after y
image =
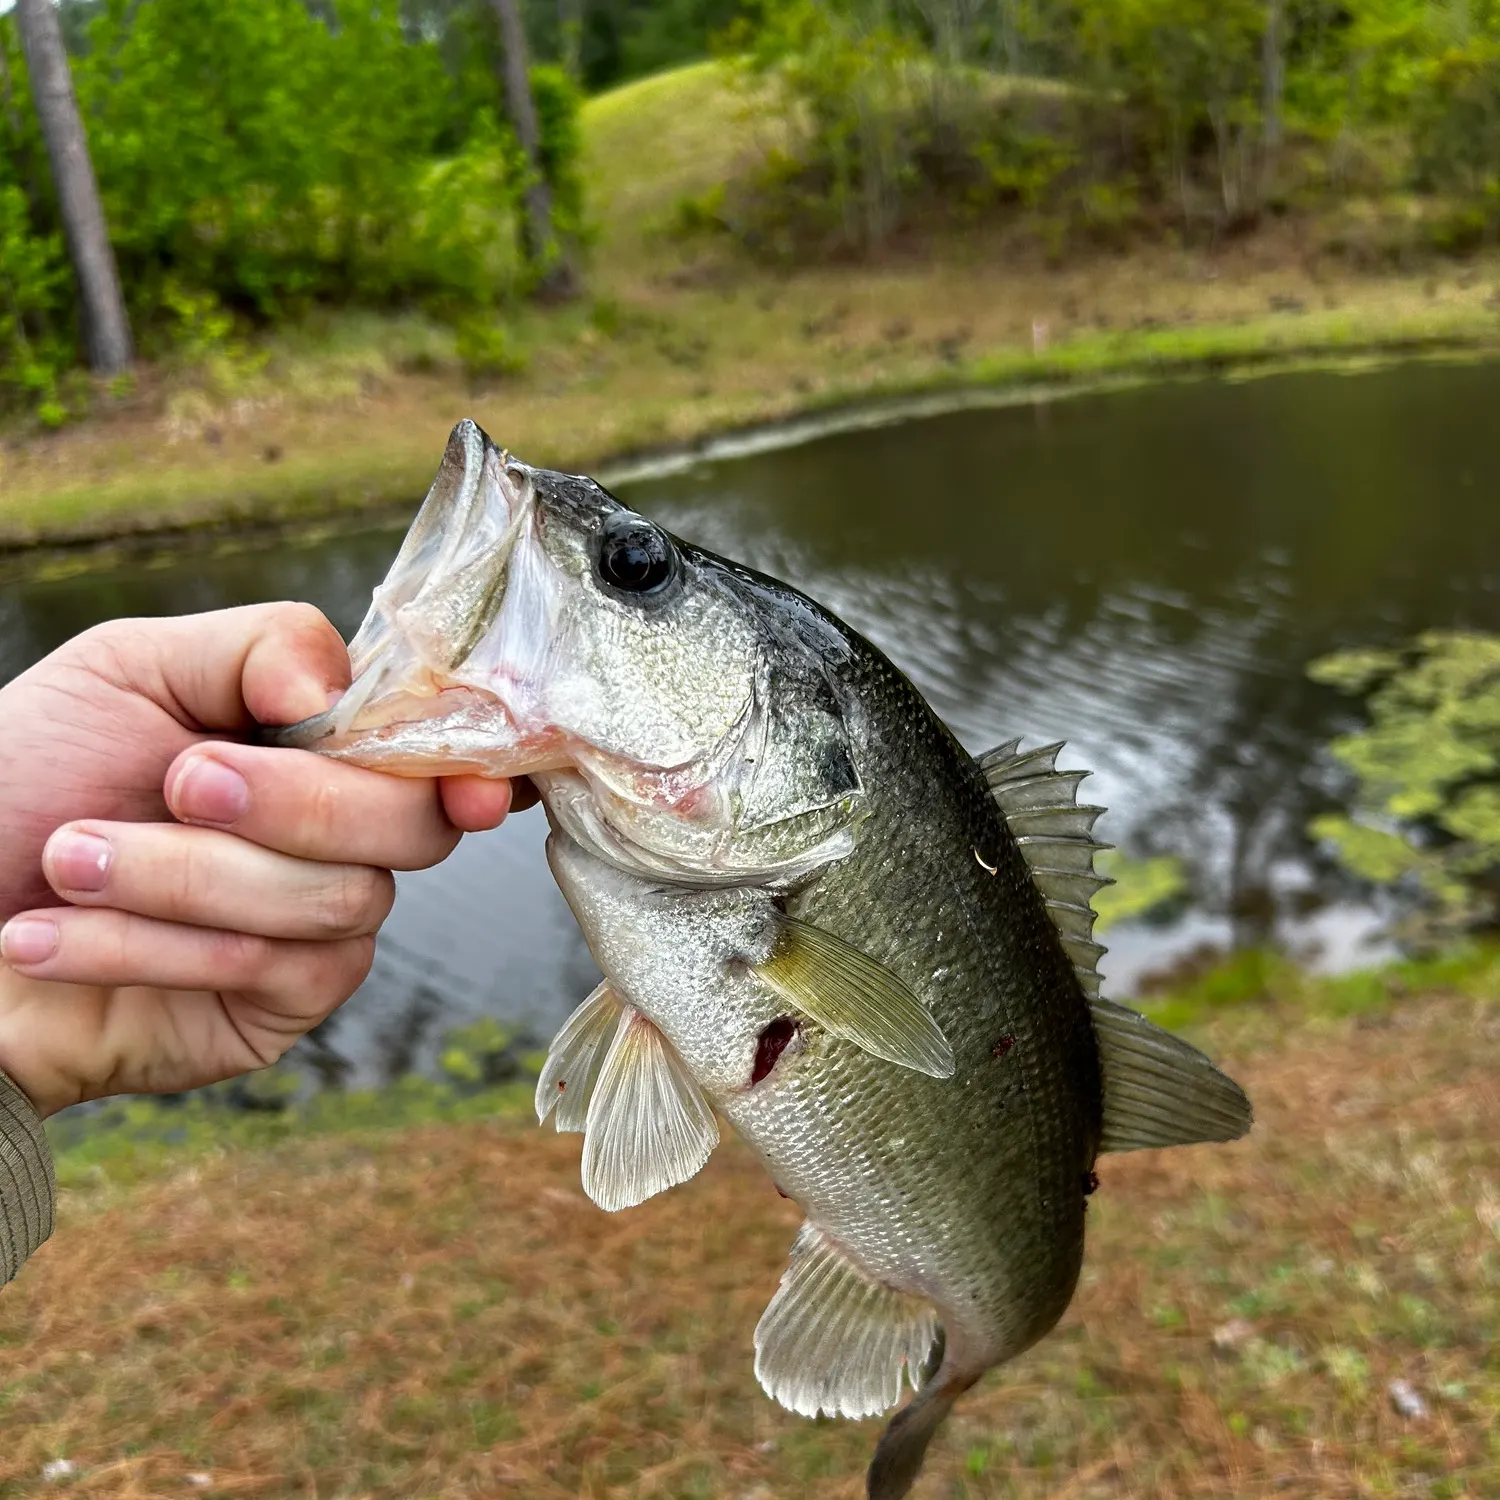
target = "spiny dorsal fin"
x: 834, y: 1341
x: 1056, y: 838
x: 1158, y: 1090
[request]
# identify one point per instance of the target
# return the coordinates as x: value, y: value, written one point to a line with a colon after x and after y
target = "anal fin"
x: 1159, y: 1090
x: 836, y: 1342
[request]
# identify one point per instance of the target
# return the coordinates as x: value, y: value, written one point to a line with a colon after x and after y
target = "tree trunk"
x: 570, y: 29
x: 106, y: 328
x: 542, y: 247
x: 1273, y: 77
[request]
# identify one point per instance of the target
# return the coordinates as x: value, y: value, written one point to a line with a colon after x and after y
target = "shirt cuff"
x: 28, y: 1188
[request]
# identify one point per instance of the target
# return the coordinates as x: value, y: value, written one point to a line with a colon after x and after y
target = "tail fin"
x: 903, y: 1444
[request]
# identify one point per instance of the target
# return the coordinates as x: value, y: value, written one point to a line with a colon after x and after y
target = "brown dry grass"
x: 442, y: 1313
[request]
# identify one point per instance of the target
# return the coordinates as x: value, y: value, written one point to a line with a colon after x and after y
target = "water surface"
x: 1142, y: 574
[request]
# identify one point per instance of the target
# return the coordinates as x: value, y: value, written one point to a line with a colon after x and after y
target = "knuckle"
x: 239, y: 958
x: 321, y: 976
x: 354, y: 900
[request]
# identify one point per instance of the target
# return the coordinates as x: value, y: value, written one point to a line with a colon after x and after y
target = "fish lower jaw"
x: 435, y: 730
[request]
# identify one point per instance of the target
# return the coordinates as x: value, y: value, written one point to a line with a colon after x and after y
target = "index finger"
x: 306, y: 805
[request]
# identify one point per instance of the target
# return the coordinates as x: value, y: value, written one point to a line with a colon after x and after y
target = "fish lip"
x: 404, y: 654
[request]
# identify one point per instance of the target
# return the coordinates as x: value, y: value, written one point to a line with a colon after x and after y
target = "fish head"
x: 682, y: 716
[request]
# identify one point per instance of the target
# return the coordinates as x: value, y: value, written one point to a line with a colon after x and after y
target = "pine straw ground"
x: 441, y: 1313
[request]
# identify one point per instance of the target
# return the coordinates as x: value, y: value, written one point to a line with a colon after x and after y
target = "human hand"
x: 143, y: 954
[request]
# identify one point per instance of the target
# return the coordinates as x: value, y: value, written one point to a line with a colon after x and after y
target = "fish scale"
x: 913, y: 896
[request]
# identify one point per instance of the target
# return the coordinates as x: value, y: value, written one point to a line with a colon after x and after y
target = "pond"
x: 1142, y: 574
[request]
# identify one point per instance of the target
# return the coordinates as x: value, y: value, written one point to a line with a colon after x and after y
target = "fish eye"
x: 635, y: 556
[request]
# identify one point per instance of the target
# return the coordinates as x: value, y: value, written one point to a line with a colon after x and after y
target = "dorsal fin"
x: 1158, y: 1090
x: 1055, y: 834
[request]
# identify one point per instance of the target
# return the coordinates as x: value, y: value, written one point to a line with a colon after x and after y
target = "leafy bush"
x: 1427, y: 772
x: 257, y: 157
x: 33, y: 293
x: 247, y: 148
x: 1456, y: 137
x: 881, y: 130
x: 1187, y: 75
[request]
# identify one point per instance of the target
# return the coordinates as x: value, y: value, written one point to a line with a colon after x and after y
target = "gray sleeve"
x: 28, y: 1189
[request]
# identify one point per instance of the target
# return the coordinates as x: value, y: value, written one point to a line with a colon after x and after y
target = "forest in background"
x: 256, y: 158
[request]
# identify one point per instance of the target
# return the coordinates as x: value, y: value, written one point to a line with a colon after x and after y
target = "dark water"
x: 1144, y: 575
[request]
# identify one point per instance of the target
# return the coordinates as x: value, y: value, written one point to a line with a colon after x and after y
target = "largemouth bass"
x: 817, y: 916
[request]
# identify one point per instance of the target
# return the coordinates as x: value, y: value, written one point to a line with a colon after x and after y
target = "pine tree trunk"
x: 106, y: 328
x: 1273, y: 75
x: 570, y: 27
x: 542, y: 247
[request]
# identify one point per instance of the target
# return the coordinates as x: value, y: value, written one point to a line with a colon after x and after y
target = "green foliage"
x: 260, y: 157
x: 284, y: 184
x: 1188, y: 73
x: 1427, y: 770
x: 1106, y: 116
x: 1456, y: 137
x: 882, y: 129
x: 33, y: 353
x: 1142, y: 888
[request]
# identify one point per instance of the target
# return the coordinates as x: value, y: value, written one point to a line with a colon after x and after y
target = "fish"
x: 818, y: 918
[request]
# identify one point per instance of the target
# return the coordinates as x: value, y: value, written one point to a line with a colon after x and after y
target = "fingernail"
x: 208, y: 791
x: 78, y: 861
x: 28, y: 940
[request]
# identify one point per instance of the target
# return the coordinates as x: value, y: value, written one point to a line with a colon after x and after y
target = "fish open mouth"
x: 408, y: 711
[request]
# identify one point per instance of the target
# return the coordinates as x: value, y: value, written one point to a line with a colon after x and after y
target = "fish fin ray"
x: 851, y: 995
x: 1158, y: 1090
x: 649, y: 1123
x: 835, y: 1341
x: 1055, y: 834
x: 574, y: 1059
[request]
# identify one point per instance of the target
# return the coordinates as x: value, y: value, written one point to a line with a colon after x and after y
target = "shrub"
x: 1456, y: 137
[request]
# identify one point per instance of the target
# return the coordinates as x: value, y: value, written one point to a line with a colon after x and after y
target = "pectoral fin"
x: 649, y: 1125
x: 835, y: 1341
x: 1158, y: 1090
x: 574, y: 1059
x: 846, y: 992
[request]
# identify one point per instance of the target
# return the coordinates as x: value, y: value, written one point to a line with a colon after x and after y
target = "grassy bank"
x: 680, y: 338
x: 438, y: 1309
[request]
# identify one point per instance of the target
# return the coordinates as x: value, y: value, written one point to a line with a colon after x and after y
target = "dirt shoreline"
x: 366, y: 489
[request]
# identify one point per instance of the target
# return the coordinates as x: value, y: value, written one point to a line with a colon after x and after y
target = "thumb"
x: 262, y: 663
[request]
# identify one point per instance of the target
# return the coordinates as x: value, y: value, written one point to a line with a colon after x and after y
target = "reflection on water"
x: 1144, y: 575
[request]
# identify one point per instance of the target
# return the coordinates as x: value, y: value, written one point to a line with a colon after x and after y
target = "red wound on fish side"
x: 1002, y: 1046
x: 773, y: 1042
